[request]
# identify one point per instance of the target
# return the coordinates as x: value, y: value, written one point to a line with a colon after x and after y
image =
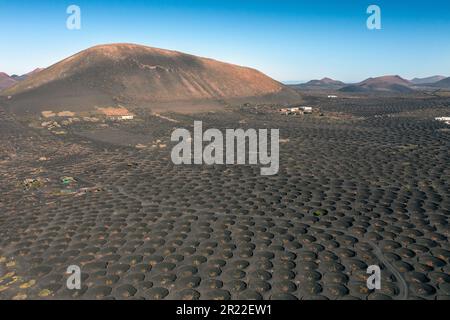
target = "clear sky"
x: 288, y: 40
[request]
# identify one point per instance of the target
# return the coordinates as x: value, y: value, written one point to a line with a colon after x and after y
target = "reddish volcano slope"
x: 6, y: 81
x: 392, y: 84
x: 138, y: 75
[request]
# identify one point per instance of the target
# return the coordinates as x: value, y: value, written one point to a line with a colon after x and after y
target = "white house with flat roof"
x: 446, y: 120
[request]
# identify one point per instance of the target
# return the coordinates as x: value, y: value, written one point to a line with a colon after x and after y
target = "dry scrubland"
x: 368, y: 183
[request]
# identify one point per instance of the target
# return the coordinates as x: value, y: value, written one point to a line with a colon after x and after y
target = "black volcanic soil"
x: 367, y: 183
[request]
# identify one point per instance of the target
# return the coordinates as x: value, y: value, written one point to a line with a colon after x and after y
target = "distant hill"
x: 323, y: 84
x: 428, y: 80
x: 6, y: 81
x: 26, y: 75
x: 130, y: 74
x: 325, y: 81
x: 443, y: 84
x: 389, y: 84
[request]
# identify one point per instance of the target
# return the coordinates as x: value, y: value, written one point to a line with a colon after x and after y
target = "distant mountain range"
x: 323, y: 84
x: 26, y: 75
x: 170, y: 75
x: 7, y: 81
x: 443, y: 84
x: 428, y: 80
x: 387, y: 84
x: 396, y: 84
x: 325, y: 81
x: 381, y: 84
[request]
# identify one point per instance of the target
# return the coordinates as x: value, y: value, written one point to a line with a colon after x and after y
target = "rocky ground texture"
x: 367, y: 188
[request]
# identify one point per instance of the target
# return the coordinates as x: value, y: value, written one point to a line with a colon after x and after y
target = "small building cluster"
x: 446, y: 120
x: 117, y: 113
x: 296, y: 111
x: 332, y: 96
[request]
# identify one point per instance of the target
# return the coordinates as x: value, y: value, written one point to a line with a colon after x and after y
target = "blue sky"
x: 288, y: 40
